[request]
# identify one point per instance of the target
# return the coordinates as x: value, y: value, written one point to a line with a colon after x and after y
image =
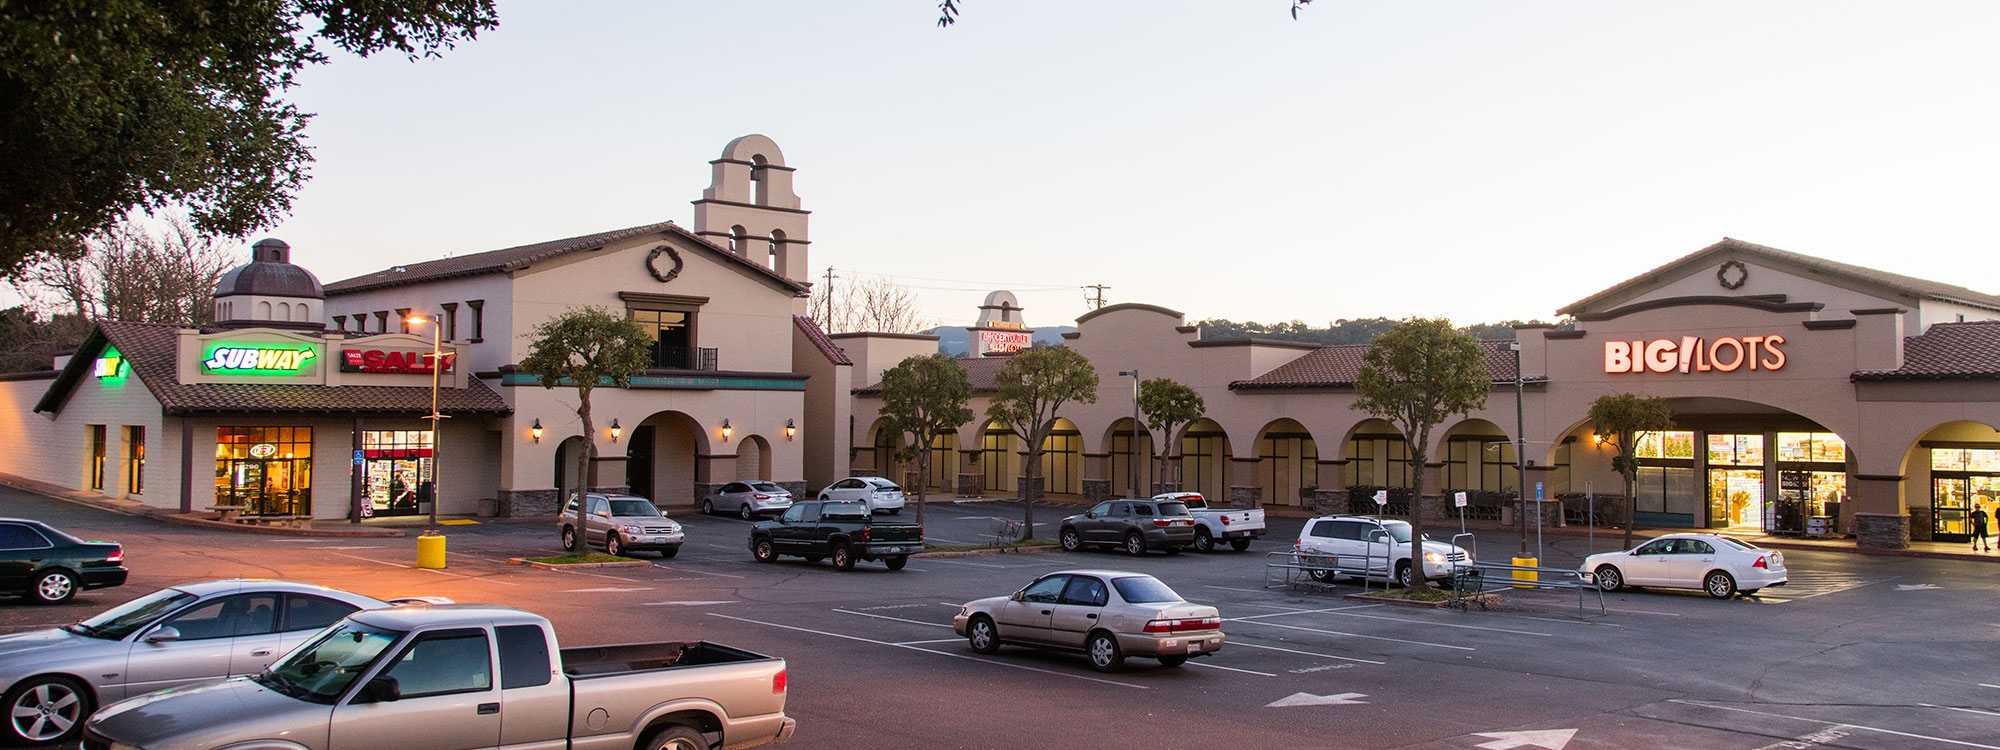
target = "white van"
x: 1376, y: 545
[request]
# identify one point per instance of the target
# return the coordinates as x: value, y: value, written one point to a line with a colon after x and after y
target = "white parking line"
x: 897, y: 619
x: 685, y: 569
x: 1301, y: 612
x: 933, y: 640
x: 1232, y: 669
x: 994, y: 662
x: 1359, y: 635
x: 974, y: 564
x: 1438, y: 624
x: 1840, y: 724
x: 430, y: 570
x: 1986, y: 685
x: 1955, y: 708
x: 1304, y: 653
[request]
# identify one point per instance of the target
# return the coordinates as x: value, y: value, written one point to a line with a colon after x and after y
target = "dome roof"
x: 270, y: 273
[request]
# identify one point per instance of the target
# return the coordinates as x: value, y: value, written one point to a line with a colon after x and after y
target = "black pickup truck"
x: 843, y: 531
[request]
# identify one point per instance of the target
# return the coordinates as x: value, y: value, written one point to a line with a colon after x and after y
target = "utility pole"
x: 827, y: 322
x: 1096, y: 302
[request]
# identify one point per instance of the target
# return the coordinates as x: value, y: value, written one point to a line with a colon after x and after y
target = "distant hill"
x: 1358, y: 331
x: 957, y: 342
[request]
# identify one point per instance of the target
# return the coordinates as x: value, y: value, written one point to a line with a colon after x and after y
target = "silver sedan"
x: 1106, y: 614
x: 747, y: 499
x: 52, y: 679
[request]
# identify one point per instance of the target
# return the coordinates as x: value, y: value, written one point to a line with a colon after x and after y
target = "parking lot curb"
x: 568, y: 566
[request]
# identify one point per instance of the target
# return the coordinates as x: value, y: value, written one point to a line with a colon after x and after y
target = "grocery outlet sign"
x: 1692, y: 354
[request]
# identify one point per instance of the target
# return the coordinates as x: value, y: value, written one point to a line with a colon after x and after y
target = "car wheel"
x: 1104, y: 653
x: 1608, y: 578
x: 981, y: 636
x: 1403, y: 575
x: 1135, y: 544
x: 1202, y: 541
x: 762, y: 549
x: 669, y: 552
x: 46, y: 709
x: 1172, y: 661
x: 1322, y: 576
x: 569, y: 539
x: 897, y: 562
x: 612, y: 546
x: 678, y: 737
x: 1239, y: 544
x: 843, y: 558
x: 707, y: 507
x: 1071, y: 541
x: 743, y: 512
x: 54, y: 587
x: 1719, y: 584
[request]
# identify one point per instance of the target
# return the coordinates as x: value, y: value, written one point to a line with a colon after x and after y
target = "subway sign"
x: 1695, y: 354
x: 392, y: 361
x: 250, y: 360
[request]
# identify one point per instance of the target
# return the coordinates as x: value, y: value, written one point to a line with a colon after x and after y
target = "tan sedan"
x: 1106, y: 614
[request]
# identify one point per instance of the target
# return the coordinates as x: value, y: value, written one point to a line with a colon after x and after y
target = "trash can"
x: 489, y: 507
x: 1525, y: 575
x: 430, y: 550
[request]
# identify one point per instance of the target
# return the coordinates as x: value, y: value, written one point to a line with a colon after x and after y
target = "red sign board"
x: 391, y: 361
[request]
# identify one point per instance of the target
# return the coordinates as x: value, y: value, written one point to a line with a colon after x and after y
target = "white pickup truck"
x: 423, y: 678
x: 1211, y: 525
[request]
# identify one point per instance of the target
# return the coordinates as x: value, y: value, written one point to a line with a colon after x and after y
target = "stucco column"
x: 970, y: 480
x: 1433, y: 503
x: 1242, y: 481
x: 1096, y: 482
x: 1880, y: 520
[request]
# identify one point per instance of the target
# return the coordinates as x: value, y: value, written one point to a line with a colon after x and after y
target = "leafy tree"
x: 925, y: 396
x: 1416, y: 376
x: 584, y: 348
x: 110, y: 104
x: 1168, y: 406
x: 1618, y: 418
x: 1033, y: 385
x: 142, y: 270
x: 948, y: 11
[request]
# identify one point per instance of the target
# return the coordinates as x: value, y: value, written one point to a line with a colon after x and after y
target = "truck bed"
x: 597, y: 661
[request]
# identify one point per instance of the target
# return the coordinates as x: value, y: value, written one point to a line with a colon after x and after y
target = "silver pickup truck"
x: 425, y: 678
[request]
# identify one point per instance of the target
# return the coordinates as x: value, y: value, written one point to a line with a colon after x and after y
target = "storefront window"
x: 996, y: 449
x: 135, y: 459
x: 1671, y: 444
x: 944, y: 461
x: 1962, y: 479
x: 1669, y: 492
x: 1736, y: 450
x: 1478, y: 463
x: 1061, y: 452
x: 399, y: 471
x: 97, y: 457
x: 267, y: 470
x: 1202, y: 456
x: 1811, y: 446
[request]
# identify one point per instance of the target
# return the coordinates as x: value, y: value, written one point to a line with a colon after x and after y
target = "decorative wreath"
x: 1723, y: 274
x: 653, y: 263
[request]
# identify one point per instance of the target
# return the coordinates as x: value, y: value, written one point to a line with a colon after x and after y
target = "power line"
x: 1098, y: 302
x: 990, y: 283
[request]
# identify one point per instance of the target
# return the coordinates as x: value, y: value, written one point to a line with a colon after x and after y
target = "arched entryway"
x: 1062, y: 459
x: 883, y: 442
x: 1132, y: 465
x: 753, y: 458
x: 1287, y: 463
x: 1950, y: 471
x: 999, y: 458
x: 1378, y: 460
x: 662, y: 458
x: 569, y: 458
x: 944, y: 462
x: 1204, y: 459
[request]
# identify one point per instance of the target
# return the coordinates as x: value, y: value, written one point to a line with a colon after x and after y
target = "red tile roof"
x: 980, y: 370
x: 827, y: 348
x: 1339, y: 366
x: 153, y: 350
x: 515, y: 258
x: 1948, y: 351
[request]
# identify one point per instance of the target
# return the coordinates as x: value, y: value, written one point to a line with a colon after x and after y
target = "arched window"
x: 300, y: 312
x: 776, y: 259
x: 284, y: 311
x: 737, y: 241
x: 759, y: 192
x: 263, y: 311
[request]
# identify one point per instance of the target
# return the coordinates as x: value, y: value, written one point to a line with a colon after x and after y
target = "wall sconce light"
x: 726, y: 430
x: 536, y: 431
x: 791, y: 429
x: 1597, y: 437
x: 616, y: 430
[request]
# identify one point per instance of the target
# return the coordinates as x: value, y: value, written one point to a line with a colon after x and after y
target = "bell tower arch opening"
x: 750, y: 208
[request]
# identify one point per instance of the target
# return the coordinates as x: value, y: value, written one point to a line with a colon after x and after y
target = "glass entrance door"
x: 1736, y: 498
x: 267, y: 470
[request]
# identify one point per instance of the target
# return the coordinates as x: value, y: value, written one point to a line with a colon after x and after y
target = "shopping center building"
x: 1808, y: 396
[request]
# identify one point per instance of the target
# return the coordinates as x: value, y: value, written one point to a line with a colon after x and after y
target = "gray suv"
x: 620, y: 524
x: 1136, y: 525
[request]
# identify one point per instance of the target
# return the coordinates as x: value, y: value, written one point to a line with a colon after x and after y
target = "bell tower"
x: 749, y: 207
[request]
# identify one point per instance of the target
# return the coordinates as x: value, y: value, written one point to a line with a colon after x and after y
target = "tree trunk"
x: 589, y: 445
x: 1418, y: 459
x: 923, y: 476
x: 1631, y: 504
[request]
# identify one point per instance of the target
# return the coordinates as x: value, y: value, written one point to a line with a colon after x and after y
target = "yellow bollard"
x: 1519, y: 575
x: 430, y: 550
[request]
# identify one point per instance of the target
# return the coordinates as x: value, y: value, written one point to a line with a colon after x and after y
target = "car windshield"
x: 845, y: 511
x: 633, y: 508
x: 1144, y: 590
x: 1398, y: 530
x: 122, y: 620
x: 766, y: 487
x: 323, y: 668
x: 1173, y: 509
x: 1737, y: 543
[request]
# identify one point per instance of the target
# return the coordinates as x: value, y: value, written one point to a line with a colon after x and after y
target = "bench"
x: 226, y: 512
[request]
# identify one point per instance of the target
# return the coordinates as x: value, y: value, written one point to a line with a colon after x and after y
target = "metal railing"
x: 704, y: 358
x: 1471, y: 584
x: 1296, y: 569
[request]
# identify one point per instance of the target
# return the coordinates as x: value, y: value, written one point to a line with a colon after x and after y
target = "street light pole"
x: 436, y: 361
x: 1521, y: 447
x: 1134, y: 457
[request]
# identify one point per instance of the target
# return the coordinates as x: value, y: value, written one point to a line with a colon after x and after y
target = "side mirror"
x: 163, y: 634
x: 381, y: 690
x: 1634, y: 553
x: 1016, y: 596
x: 604, y: 514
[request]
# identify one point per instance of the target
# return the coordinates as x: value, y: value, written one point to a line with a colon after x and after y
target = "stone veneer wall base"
x: 1882, y: 530
x: 1245, y: 497
x: 526, y: 503
x: 1096, y: 490
x: 970, y: 485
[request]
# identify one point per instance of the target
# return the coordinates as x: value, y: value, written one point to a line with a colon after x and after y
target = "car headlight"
x: 1436, y: 557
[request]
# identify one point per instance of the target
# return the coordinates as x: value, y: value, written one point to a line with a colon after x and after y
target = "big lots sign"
x: 1695, y: 354
x: 380, y: 360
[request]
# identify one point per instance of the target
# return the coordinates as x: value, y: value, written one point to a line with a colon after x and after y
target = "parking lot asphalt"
x: 1859, y: 652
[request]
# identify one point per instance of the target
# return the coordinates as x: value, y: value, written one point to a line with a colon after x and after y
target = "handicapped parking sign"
x: 1458, y: 498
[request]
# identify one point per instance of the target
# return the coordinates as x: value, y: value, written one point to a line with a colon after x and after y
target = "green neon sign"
x: 256, y: 361
x: 110, y: 366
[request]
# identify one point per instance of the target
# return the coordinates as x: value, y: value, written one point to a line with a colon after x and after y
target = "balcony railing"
x: 687, y: 358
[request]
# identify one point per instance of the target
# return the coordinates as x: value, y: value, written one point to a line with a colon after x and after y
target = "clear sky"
x: 1478, y: 159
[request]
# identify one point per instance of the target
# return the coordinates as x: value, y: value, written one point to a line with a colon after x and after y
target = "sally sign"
x: 1694, y: 354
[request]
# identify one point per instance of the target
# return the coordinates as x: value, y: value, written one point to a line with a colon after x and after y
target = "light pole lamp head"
x: 536, y: 431
x: 616, y: 430
x: 415, y: 320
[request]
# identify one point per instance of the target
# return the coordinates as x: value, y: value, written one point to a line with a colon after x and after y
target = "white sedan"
x: 881, y: 495
x: 1720, y: 565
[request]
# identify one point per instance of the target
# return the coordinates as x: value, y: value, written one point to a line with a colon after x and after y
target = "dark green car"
x: 49, y: 567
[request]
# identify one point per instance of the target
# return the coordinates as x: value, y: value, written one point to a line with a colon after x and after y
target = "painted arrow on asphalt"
x: 1308, y: 699
x: 1552, y: 739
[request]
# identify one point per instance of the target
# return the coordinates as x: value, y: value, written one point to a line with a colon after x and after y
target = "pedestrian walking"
x: 1979, y: 530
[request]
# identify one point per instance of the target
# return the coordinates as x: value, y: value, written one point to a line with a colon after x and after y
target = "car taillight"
x: 1760, y: 563
x: 116, y: 556
x: 1184, y: 625
x: 761, y: 496
x: 778, y: 683
x: 864, y: 533
x: 1162, y: 522
x: 1225, y: 520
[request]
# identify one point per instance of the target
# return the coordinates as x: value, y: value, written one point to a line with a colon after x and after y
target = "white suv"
x: 880, y: 494
x: 1377, y: 545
